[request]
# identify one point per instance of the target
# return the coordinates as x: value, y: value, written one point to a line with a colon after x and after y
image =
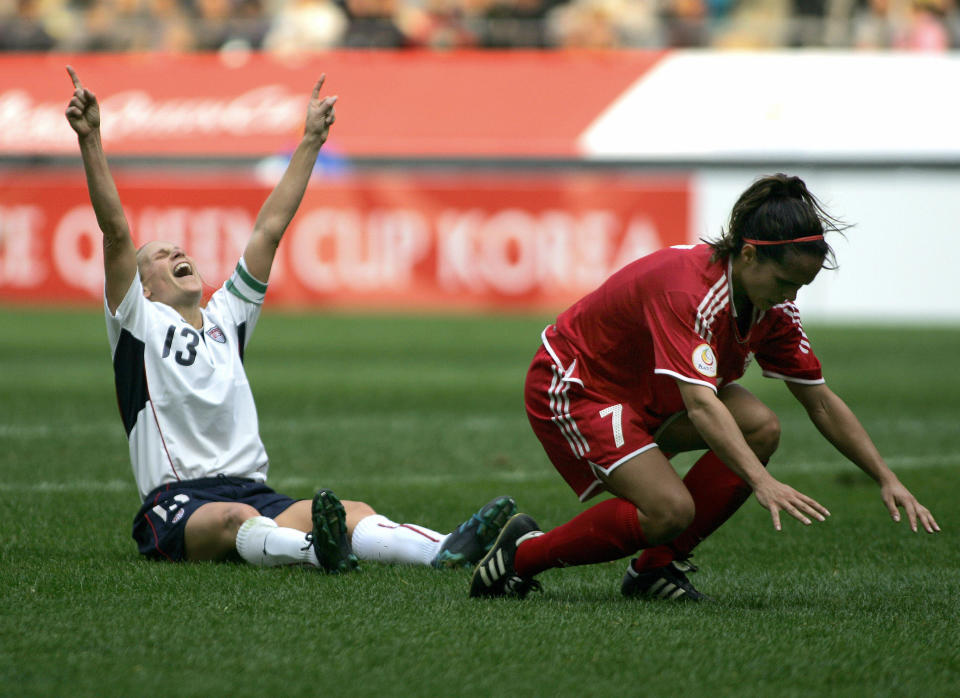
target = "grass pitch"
x: 423, y: 418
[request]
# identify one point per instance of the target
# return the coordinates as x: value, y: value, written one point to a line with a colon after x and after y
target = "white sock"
x: 260, y: 541
x: 380, y: 539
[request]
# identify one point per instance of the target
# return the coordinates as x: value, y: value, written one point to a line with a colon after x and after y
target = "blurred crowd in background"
x: 280, y: 26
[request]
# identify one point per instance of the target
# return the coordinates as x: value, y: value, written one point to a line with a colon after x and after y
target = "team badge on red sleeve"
x: 705, y: 361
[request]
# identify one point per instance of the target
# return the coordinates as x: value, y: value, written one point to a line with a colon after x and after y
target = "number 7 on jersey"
x: 616, y: 417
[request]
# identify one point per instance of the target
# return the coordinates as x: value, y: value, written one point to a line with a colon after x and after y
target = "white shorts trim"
x: 553, y: 354
x: 567, y: 373
x: 607, y: 471
x: 592, y: 490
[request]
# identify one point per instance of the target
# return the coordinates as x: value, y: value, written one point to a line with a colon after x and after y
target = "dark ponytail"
x: 778, y: 208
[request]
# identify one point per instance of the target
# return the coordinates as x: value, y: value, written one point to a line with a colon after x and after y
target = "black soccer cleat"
x: 494, y: 575
x: 329, y: 536
x: 667, y: 582
x: 475, y: 536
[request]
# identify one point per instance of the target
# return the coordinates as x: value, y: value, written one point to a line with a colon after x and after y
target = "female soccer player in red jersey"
x: 645, y: 367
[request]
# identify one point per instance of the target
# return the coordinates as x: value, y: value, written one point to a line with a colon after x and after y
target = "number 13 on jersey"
x: 193, y: 339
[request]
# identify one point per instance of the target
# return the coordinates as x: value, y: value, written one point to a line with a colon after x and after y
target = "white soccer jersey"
x: 183, y: 394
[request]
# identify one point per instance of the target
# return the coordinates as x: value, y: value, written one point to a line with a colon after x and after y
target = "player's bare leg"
x: 299, y: 515
x: 211, y: 531
x: 649, y: 482
x: 224, y: 530
x: 715, y: 489
x: 759, y: 425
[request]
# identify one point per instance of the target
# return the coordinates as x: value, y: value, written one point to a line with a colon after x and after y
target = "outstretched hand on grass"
x: 777, y: 496
x: 896, y: 496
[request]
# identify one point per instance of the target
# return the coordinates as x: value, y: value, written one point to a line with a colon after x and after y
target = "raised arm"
x: 720, y: 431
x: 837, y: 422
x: 119, y: 254
x: 282, y: 204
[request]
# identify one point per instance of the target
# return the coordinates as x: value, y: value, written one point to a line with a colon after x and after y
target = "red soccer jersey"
x: 669, y: 316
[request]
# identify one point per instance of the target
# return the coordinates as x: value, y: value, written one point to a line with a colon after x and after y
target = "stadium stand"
x: 179, y: 26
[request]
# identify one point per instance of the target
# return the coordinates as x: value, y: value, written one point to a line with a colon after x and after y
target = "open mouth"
x: 182, y: 269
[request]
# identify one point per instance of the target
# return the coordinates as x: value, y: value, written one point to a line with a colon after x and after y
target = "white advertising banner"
x: 816, y: 107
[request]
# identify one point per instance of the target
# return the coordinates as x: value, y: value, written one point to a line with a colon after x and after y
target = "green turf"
x: 423, y: 417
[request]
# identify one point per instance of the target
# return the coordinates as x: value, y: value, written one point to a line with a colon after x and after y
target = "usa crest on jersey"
x: 216, y: 334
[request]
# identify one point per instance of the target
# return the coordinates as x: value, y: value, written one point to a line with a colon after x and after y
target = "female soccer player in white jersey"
x: 645, y: 367
x: 187, y: 408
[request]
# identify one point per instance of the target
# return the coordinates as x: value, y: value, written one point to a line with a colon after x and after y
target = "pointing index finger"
x: 74, y: 77
x: 316, y: 88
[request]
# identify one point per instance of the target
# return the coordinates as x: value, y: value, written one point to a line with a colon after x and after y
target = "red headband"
x: 809, y: 238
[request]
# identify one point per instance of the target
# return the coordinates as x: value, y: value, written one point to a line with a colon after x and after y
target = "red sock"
x: 606, y: 531
x: 717, y: 494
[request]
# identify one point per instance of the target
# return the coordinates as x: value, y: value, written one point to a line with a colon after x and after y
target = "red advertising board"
x: 409, y: 104
x: 470, y: 241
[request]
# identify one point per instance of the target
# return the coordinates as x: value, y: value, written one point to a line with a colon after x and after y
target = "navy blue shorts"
x: 160, y: 524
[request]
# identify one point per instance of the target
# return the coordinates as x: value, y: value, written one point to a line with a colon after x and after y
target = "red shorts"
x: 582, y: 433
